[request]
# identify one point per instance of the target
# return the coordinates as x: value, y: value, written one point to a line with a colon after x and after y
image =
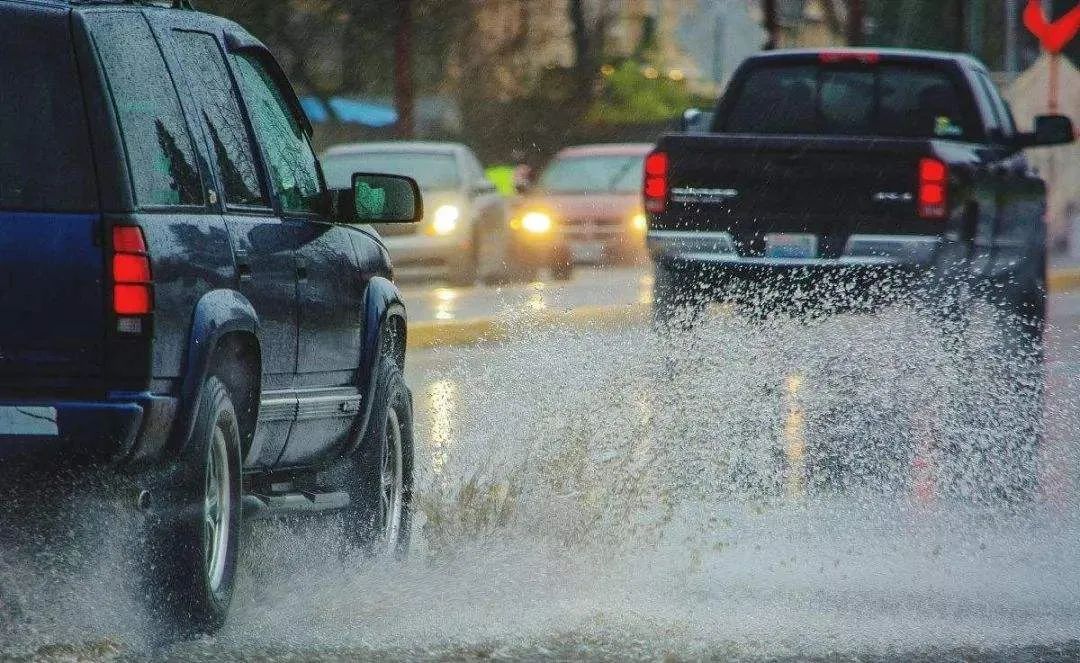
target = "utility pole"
x: 976, y: 18
x: 856, y: 24
x: 1012, y: 53
x: 772, y: 25
x: 960, y: 16
x: 403, y: 78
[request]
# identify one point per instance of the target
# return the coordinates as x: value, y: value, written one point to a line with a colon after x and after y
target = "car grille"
x: 593, y: 229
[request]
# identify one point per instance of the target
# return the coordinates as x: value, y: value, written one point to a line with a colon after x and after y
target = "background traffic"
x: 517, y: 83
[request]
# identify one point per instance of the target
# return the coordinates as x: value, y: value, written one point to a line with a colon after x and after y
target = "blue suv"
x: 181, y: 296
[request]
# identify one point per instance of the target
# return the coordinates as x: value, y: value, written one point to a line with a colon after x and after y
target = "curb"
x: 427, y: 335
x: 1062, y: 280
x: 453, y: 333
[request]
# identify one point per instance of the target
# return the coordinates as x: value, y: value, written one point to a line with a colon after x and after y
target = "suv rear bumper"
x: 125, y: 428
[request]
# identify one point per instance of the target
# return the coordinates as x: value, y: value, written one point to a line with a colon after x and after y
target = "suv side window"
x: 161, y: 156
x: 208, y: 78
x: 294, y: 171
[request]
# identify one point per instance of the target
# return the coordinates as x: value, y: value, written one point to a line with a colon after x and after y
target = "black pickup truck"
x: 862, y: 163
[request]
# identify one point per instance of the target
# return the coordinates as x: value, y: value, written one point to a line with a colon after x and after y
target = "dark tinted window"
x: 159, y: 147
x: 846, y: 100
x: 433, y: 171
x: 209, y: 79
x: 757, y: 108
x: 45, y: 161
x: 293, y: 168
x: 890, y: 100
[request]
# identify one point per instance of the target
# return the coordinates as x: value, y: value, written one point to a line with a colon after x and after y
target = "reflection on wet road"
x: 589, y: 287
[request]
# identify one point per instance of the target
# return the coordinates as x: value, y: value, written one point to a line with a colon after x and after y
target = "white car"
x: 465, y: 233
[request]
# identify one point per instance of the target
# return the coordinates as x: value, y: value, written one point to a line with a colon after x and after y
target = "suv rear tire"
x: 193, y: 543
x: 379, y: 473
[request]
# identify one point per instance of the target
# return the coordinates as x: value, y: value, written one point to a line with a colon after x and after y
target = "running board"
x: 265, y: 506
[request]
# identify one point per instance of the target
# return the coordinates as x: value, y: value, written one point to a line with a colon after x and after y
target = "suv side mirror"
x: 1049, y: 130
x: 695, y: 120
x: 378, y: 198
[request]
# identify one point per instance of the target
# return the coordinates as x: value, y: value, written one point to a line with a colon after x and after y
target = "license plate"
x: 26, y: 420
x: 791, y: 245
x: 587, y: 251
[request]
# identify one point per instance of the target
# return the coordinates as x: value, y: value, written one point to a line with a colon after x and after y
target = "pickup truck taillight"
x: 132, y: 295
x: 656, y: 182
x: 933, y: 189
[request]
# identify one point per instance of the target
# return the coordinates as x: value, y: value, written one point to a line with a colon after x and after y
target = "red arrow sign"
x: 1053, y: 36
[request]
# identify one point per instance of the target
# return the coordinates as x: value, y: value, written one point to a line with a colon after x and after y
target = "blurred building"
x: 811, y: 23
x: 715, y: 36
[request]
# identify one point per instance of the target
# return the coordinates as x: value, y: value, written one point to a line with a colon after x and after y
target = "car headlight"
x: 639, y: 222
x: 536, y: 222
x: 446, y: 219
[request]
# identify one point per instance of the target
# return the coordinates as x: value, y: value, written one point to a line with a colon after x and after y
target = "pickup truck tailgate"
x: 796, y: 184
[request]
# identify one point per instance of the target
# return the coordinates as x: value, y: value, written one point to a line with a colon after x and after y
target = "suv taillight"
x: 933, y: 189
x: 132, y: 292
x: 656, y: 182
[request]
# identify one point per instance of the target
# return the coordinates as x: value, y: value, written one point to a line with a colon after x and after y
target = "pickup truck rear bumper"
x: 124, y: 428
x: 688, y: 248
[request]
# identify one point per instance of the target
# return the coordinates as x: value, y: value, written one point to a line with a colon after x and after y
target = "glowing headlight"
x: 639, y: 223
x: 446, y: 219
x: 536, y: 222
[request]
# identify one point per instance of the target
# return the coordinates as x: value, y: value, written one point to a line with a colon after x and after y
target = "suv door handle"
x: 244, y: 270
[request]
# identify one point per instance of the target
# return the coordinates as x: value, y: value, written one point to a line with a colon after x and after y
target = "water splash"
x: 750, y: 487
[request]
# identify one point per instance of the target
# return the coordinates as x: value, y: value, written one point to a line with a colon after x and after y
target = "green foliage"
x: 630, y: 96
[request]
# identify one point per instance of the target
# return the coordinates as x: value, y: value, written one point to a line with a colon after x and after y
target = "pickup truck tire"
x: 194, y: 546
x: 379, y: 481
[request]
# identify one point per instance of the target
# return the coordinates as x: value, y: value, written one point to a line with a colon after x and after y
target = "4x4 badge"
x: 892, y: 197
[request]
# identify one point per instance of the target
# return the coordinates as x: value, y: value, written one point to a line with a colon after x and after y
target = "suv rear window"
x: 45, y: 161
x: 897, y: 100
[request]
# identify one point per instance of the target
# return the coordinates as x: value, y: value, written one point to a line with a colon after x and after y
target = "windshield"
x: 600, y: 174
x: 892, y: 100
x: 433, y: 171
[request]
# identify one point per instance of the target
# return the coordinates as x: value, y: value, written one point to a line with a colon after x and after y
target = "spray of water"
x: 750, y: 486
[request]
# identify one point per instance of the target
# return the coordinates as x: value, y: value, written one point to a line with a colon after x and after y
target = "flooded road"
x: 748, y: 491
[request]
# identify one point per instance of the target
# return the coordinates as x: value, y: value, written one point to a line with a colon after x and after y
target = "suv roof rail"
x: 174, y: 4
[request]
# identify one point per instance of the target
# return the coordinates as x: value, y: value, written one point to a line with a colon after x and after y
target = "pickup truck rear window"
x: 896, y: 100
x: 45, y: 161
